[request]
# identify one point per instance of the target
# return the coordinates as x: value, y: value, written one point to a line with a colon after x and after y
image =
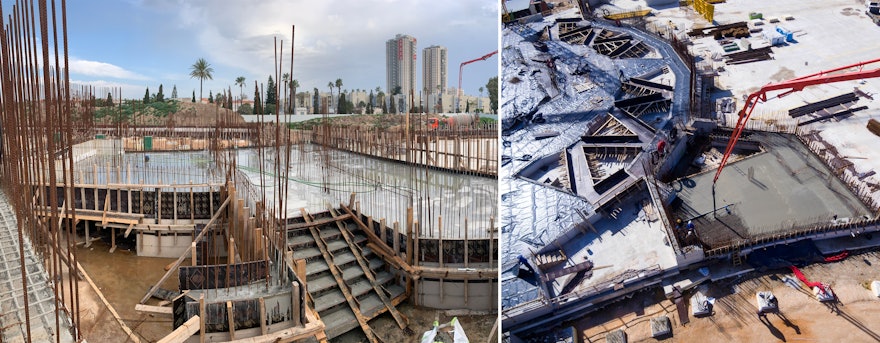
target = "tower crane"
x: 850, y: 72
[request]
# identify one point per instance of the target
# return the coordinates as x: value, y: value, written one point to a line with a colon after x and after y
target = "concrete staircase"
x: 329, y: 300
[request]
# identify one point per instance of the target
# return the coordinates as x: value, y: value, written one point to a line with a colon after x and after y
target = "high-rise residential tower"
x: 400, y: 64
x: 434, y: 69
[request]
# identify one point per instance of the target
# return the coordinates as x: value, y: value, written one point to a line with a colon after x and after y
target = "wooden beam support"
x: 230, y: 317
x: 318, y: 222
x: 152, y: 309
x: 179, y: 335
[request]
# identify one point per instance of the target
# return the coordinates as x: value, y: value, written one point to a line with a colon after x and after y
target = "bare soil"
x: 734, y: 318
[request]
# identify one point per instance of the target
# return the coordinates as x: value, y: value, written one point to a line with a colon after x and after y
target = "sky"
x: 134, y: 44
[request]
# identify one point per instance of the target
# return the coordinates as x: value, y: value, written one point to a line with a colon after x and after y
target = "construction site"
x: 205, y: 228
x: 684, y: 169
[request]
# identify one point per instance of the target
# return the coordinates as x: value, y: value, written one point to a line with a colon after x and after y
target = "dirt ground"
x: 476, y: 327
x: 852, y: 319
x: 123, y: 282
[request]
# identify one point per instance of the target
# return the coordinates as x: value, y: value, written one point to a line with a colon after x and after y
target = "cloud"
x: 100, y: 88
x: 336, y: 39
x: 101, y: 69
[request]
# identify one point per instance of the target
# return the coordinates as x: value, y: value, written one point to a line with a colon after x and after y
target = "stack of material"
x: 660, y: 327
x: 700, y: 305
x: 821, y: 105
x: 616, y: 336
x: 767, y: 302
x: 753, y: 55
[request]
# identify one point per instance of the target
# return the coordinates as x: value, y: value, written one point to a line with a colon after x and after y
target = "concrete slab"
x: 791, y: 188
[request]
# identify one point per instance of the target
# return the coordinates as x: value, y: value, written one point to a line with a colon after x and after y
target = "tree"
x: 370, y: 103
x: 201, y: 70
x: 245, y: 109
x: 393, y: 107
x: 194, y: 95
x: 174, y: 92
x: 492, y: 87
x: 109, y: 100
x: 271, y: 96
x: 258, y: 106
x: 239, y: 81
x: 316, y: 101
x: 229, y: 97
x: 294, y: 84
x: 210, y: 97
x: 341, y: 106
x: 160, y: 96
x: 341, y: 102
x: 147, y: 96
x: 330, y: 101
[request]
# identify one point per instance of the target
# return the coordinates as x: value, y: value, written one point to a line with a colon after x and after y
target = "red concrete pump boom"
x: 791, y: 86
x: 461, y: 68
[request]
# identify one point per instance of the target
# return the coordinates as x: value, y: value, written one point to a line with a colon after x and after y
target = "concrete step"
x: 301, y: 241
x: 339, y: 322
x: 336, y: 245
x: 371, y: 304
x: 314, y: 268
x: 309, y: 254
x: 328, y: 300
x: 318, y: 286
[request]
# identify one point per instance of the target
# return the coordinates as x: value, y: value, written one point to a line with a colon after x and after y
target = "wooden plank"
x: 318, y: 222
x: 337, y: 274
x: 179, y: 335
x: 185, y: 254
x: 202, y: 331
x: 263, y: 329
x: 128, y: 231
x: 152, y: 309
x: 358, y: 254
x: 230, y: 317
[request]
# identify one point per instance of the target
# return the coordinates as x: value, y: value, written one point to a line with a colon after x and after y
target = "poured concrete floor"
x: 790, y: 187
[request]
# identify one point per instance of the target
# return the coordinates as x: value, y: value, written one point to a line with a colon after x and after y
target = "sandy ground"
x: 123, y: 282
x: 802, y: 318
x: 477, y: 328
x: 128, y: 277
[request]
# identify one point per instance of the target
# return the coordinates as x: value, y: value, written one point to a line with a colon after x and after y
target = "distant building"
x: 400, y: 64
x: 434, y: 69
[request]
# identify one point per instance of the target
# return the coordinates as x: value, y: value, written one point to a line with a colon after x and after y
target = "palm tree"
x: 294, y: 84
x: 239, y: 81
x: 330, y: 103
x: 201, y: 70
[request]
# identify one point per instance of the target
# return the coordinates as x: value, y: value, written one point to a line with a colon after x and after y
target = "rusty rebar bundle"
x: 37, y: 139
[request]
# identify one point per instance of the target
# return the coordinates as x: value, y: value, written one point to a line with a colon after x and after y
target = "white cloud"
x: 100, y: 88
x: 101, y: 69
x: 335, y: 39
